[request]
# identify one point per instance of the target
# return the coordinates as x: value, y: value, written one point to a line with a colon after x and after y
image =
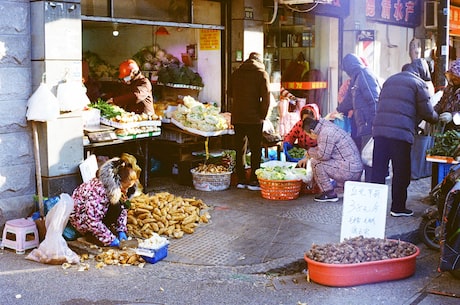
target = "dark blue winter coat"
x: 362, y: 95
x: 404, y: 101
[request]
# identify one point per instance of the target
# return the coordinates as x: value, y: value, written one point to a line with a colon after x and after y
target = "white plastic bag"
x: 54, y: 249
x: 42, y: 105
x: 366, y: 154
x: 72, y: 96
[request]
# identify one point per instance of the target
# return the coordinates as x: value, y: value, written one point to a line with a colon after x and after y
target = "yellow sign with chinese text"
x: 209, y: 39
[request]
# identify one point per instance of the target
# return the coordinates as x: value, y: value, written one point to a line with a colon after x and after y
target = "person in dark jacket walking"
x: 403, y: 103
x: 136, y: 92
x: 250, y: 102
x: 361, y: 97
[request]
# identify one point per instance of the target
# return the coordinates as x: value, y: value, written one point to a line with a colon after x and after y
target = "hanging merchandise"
x: 72, y: 96
x: 42, y: 106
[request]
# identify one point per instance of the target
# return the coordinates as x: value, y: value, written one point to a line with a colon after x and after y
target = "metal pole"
x: 442, y: 43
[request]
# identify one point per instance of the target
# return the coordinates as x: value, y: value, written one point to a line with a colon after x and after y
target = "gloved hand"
x: 122, y: 236
x: 445, y: 117
x: 115, y: 243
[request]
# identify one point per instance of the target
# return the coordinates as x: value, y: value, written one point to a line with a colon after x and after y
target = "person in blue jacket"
x: 361, y: 97
x: 403, y: 103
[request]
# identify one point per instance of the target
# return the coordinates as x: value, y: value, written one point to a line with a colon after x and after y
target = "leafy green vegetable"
x: 281, y: 173
x: 445, y: 144
x: 177, y: 74
x: 107, y: 111
x: 296, y: 152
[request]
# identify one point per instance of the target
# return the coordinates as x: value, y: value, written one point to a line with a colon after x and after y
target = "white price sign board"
x: 364, y: 210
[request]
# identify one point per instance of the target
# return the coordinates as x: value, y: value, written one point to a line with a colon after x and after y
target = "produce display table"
x: 440, y: 168
x: 175, y: 146
x: 140, y: 146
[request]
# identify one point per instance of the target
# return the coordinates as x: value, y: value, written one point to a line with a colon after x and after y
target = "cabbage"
x: 282, y: 173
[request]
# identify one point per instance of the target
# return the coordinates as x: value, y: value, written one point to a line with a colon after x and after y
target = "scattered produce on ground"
x: 165, y: 214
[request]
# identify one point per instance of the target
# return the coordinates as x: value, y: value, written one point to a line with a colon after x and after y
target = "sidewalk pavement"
x: 247, y: 230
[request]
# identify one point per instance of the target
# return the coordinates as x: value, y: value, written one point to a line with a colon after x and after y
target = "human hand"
x: 334, y: 115
x: 445, y: 117
x: 303, y: 162
x: 122, y: 236
x: 115, y: 242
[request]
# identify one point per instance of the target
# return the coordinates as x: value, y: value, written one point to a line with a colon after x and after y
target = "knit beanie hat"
x: 455, y: 68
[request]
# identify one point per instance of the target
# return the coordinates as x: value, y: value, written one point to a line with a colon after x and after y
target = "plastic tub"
x: 342, y: 275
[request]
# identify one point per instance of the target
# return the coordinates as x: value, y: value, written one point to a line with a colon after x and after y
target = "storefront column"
x: 442, y: 42
x: 56, y: 58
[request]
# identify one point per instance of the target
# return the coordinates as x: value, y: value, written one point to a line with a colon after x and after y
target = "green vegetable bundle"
x: 296, y: 153
x: 445, y: 144
x: 107, y: 111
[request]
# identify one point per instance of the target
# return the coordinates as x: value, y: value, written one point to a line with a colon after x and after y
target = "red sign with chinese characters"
x: 398, y: 12
x: 454, y: 20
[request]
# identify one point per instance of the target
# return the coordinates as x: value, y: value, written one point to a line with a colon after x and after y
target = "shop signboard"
x: 364, y: 210
x: 336, y: 8
x: 406, y: 13
x: 454, y: 21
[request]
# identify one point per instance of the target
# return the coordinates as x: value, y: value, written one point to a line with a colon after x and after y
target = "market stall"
x: 444, y: 154
x: 111, y: 131
x: 193, y: 136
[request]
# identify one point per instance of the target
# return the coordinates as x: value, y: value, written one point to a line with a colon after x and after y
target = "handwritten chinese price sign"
x: 364, y: 210
x: 209, y: 39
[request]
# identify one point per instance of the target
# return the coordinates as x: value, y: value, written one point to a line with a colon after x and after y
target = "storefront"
x: 155, y: 34
x: 303, y: 49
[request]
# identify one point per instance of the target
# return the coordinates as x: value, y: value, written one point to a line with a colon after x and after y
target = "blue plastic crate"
x: 443, y: 170
x: 153, y: 255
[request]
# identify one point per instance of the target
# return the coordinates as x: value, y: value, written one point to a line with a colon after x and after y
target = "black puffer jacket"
x: 362, y: 95
x: 250, y: 93
x: 404, y: 101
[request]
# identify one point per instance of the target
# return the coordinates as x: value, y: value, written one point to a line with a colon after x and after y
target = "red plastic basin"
x: 342, y: 275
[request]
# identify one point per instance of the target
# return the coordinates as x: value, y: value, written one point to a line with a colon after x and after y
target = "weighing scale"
x: 100, y: 133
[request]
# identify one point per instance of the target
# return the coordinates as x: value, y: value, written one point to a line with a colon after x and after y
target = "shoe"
x: 406, y: 213
x: 327, y: 197
x: 241, y: 185
x: 254, y: 186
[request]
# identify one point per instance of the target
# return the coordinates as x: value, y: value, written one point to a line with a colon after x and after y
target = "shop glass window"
x: 158, y: 10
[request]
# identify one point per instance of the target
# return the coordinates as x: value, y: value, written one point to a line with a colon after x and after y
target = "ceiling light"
x: 115, y: 31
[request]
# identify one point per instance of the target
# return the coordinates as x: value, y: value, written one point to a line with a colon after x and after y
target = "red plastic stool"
x: 20, y: 234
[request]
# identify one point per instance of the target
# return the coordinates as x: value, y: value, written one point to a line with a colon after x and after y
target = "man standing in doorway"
x: 249, y: 91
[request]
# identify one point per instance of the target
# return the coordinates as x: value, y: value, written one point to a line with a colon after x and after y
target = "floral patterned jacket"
x: 91, y: 204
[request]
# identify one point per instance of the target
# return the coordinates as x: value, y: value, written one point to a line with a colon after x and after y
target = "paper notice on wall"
x: 364, y: 210
x: 209, y: 39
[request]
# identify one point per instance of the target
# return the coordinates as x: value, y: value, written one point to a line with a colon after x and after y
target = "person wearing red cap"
x: 297, y: 135
x: 136, y: 93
